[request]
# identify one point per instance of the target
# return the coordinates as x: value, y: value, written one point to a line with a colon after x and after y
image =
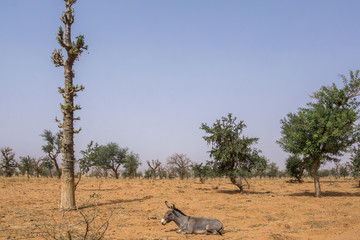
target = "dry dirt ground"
x: 270, y: 209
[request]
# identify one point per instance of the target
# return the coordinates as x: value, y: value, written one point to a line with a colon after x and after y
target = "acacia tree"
x: 52, y: 147
x: 325, y: 129
x: 180, y: 164
x: 69, y: 91
x: 8, y: 163
x: 231, y: 151
x: 109, y: 157
x: 131, y: 164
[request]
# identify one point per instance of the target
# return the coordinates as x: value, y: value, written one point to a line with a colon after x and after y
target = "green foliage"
x: 273, y: 170
x: 260, y: 167
x: 48, y: 166
x: 79, y: 45
x: 131, y: 165
x: 53, y: 142
x: 334, y: 173
x: 343, y: 171
x: 203, y: 171
x: 110, y: 154
x: 325, y: 129
x: 109, y: 157
x: 295, y: 167
x: 57, y: 58
x: 324, y: 173
x: 88, y: 157
x: 162, y: 173
x: 26, y: 165
x: 354, y: 164
x: 52, y: 147
x: 148, y: 174
x: 231, y: 151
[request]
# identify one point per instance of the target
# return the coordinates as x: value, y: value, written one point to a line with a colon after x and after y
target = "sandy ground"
x: 270, y: 209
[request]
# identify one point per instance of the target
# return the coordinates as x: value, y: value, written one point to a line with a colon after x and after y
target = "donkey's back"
x: 202, y: 225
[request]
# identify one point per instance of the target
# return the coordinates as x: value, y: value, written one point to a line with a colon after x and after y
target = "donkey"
x: 190, y: 225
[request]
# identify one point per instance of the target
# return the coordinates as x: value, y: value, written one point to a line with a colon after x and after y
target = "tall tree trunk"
x: 315, y: 175
x: 68, y: 92
x: 68, y: 187
x: 68, y: 182
x: 237, y: 182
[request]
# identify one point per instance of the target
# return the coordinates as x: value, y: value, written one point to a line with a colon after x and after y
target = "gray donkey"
x: 189, y: 225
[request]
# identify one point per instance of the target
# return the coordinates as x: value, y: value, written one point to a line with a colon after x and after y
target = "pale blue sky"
x: 158, y: 69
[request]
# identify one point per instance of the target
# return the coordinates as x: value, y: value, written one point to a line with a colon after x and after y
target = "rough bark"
x: 237, y: 182
x: 315, y: 175
x: 68, y: 92
x: 68, y: 185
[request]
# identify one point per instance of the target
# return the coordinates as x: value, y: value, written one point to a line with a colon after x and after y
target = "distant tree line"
x: 97, y: 160
x: 106, y: 160
x: 321, y: 132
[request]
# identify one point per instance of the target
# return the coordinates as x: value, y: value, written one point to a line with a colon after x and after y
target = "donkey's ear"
x: 167, y: 204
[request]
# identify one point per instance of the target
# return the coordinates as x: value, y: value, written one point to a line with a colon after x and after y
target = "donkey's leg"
x: 184, y: 230
x: 209, y: 231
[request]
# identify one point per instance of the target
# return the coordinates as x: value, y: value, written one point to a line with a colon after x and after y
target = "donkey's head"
x: 170, y: 214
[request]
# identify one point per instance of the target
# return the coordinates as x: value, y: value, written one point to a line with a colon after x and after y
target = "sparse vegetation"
x: 90, y: 226
x: 113, y: 188
x: 137, y: 208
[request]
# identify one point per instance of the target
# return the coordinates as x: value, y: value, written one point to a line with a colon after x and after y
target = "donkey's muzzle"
x: 163, y: 222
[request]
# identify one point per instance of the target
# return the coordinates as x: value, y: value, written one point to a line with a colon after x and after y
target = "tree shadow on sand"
x: 101, y: 190
x: 236, y: 191
x: 325, y: 194
x: 117, y: 201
